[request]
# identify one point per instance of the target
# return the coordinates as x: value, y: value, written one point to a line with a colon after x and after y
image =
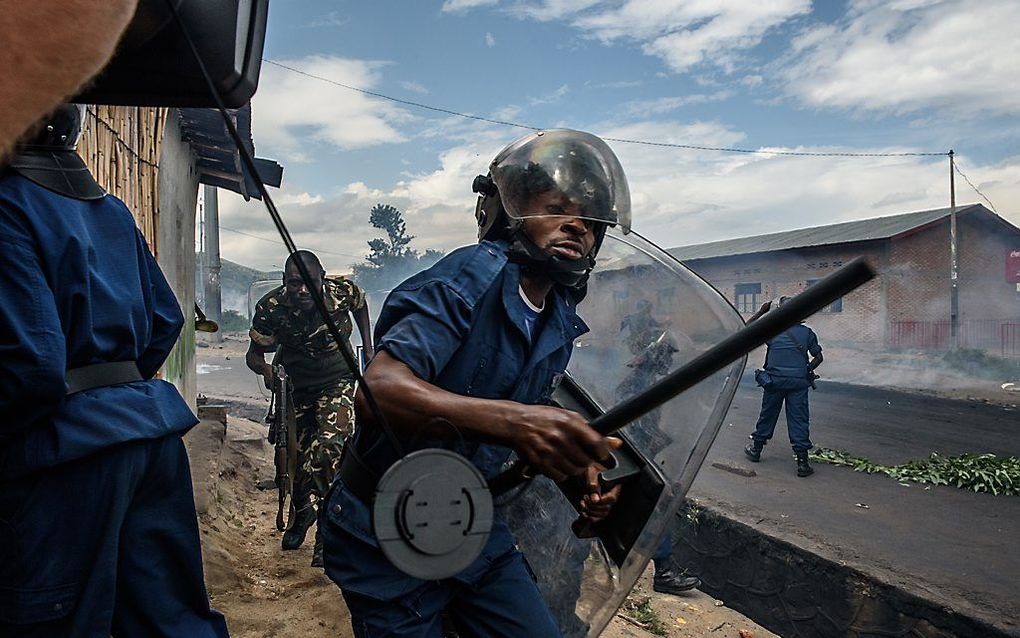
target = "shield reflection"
x: 648, y: 315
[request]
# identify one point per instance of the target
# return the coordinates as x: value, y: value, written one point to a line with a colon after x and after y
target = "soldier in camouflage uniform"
x: 287, y: 322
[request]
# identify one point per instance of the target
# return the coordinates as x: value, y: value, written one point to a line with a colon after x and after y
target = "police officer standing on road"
x: 98, y: 533
x: 469, y: 351
x: 786, y: 377
x: 287, y: 322
x: 653, y: 361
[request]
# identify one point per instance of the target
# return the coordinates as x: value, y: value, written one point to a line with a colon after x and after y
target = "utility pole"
x: 954, y: 264
x: 202, y: 262
x: 213, y: 309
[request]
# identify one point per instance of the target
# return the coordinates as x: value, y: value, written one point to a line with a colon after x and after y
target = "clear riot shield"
x: 648, y: 315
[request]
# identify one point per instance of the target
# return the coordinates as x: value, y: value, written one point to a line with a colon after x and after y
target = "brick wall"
x: 912, y: 286
x: 861, y: 319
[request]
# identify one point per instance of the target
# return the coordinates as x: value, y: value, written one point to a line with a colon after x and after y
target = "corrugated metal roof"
x: 847, y: 232
x: 218, y: 160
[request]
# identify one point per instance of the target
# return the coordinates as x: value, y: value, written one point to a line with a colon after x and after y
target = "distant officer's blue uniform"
x: 787, y: 363
x: 462, y: 326
x: 98, y: 534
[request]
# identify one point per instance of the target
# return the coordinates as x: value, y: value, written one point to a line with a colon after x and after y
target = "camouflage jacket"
x: 278, y: 324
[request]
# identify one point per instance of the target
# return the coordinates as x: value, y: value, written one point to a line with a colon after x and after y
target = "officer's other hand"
x: 556, y: 442
x: 596, y: 504
x: 267, y: 376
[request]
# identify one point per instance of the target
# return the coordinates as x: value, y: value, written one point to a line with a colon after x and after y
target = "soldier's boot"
x: 317, y: 552
x: 753, y: 450
x: 668, y: 581
x: 294, y: 536
x: 803, y: 467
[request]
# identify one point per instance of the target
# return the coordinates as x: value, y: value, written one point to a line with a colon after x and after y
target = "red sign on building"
x: 1013, y: 266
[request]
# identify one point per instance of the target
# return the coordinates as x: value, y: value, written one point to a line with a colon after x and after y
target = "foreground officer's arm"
x: 552, y: 441
x: 167, y: 319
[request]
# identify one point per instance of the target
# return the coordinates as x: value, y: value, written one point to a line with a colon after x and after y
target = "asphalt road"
x: 947, y: 544
x: 950, y: 545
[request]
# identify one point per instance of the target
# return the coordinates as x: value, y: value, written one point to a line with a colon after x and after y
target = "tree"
x: 391, y: 259
x: 394, y: 247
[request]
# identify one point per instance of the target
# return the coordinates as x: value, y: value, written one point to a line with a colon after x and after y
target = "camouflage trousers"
x: 323, y: 424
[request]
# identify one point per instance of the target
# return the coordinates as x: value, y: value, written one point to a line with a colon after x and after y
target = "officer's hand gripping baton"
x: 800, y: 307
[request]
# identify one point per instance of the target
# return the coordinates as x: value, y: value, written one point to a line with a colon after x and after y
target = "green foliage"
x: 639, y: 609
x: 391, y: 259
x: 233, y: 321
x: 978, y: 472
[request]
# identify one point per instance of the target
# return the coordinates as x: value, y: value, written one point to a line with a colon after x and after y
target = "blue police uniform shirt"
x: 787, y: 353
x: 78, y: 286
x: 461, y: 326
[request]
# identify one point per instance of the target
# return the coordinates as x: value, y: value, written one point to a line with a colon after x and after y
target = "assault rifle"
x: 283, y: 437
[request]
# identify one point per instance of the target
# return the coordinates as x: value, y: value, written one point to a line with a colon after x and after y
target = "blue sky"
x: 860, y: 76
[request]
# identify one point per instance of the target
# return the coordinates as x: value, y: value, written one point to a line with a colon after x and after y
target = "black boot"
x: 668, y: 581
x: 294, y: 536
x: 753, y: 450
x: 317, y: 552
x: 803, y: 467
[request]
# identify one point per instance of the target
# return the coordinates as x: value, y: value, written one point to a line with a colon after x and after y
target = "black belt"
x: 102, y: 374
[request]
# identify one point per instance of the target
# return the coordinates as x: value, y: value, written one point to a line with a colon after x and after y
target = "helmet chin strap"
x: 572, y: 273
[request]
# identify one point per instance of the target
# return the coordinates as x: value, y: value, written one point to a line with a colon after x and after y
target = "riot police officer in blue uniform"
x: 469, y: 352
x: 98, y: 534
x: 785, y: 379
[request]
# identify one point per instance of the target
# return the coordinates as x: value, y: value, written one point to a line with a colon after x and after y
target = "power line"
x: 277, y: 242
x: 971, y: 184
x: 400, y: 101
x: 693, y: 147
x: 116, y: 136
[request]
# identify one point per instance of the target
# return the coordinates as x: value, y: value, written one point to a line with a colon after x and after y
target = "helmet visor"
x: 562, y: 172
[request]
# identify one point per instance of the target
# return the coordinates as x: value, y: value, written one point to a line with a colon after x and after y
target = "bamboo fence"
x: 121, y: 146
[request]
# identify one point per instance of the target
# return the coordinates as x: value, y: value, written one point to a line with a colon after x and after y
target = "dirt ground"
x: 265, y: 592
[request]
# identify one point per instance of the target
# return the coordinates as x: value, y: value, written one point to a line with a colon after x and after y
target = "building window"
x: 747, y: 298
x: 835, y: 306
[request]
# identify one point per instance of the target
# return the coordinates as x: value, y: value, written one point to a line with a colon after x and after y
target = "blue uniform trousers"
x: 505, y: 602
x: 664, y: 552
x: 794, y: 393
x: 105, y: 545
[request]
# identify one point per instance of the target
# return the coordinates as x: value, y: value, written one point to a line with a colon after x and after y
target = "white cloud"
x: 685, y: 197
x: 453, y: 6
x: 550, y: 98
x: 301, y: 199
x: 414, y: 87
x: 679, y: 196
x: 662, y: 105
x: 683, y: 33
x: 331, y: 19
x: 294, y: 113
x: 490, y: 40
x: 902, y: 57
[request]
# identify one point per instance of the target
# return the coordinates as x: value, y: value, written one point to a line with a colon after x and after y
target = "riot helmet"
x: 580, y: 168
x: 60, y: 131
x: 49, y: 159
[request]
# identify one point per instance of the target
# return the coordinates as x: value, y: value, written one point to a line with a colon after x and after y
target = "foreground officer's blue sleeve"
x: 167, y: 319
x: 428, y: 325
x: 426, y: 318
x: 32, y: 349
